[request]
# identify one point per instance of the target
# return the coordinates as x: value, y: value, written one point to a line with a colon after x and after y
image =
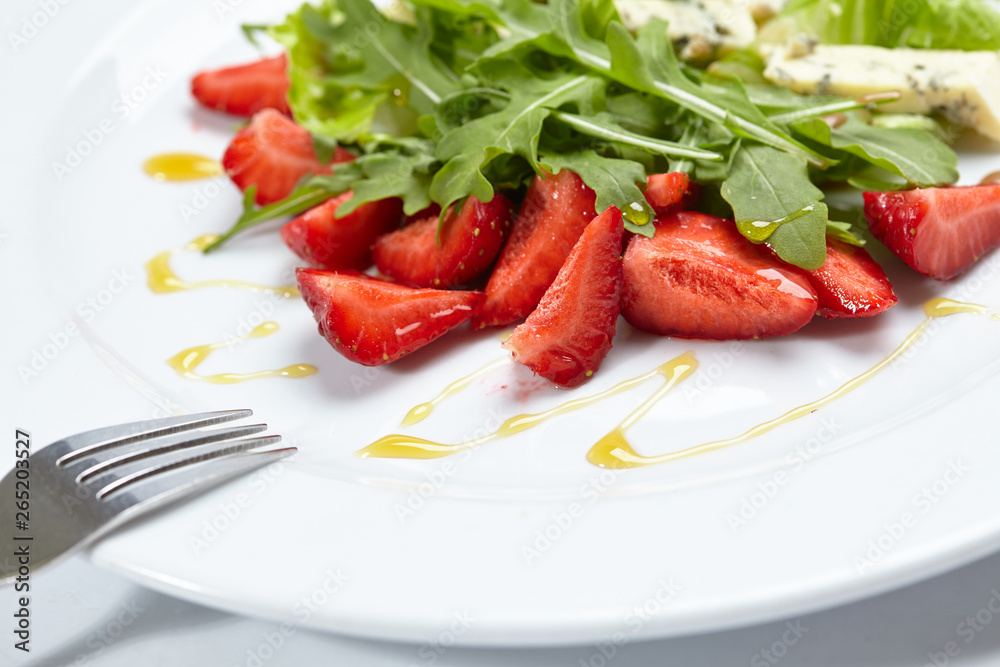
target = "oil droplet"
x: 187, y: 361
x: 761, y: 230
x: 408, y: 447
x: 422, y: 411
x: 638, y: 212
x: 161, y: 279
x: 181, y: 167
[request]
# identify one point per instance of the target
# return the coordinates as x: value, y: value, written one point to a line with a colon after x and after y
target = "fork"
x: 80, y: 488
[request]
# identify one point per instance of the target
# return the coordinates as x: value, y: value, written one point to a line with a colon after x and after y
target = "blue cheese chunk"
x: 701, y: 29
x: 960, y: 85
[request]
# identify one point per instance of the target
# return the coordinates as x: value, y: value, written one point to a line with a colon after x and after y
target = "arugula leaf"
x: 914, y: 154
x: 405, y: 172
x: 615, y: 181
x: 602, y: 126
x: 515, y: 130
x: 773, y: 200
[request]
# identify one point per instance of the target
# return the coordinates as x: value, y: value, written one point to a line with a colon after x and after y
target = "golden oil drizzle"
x: 409, y: 447
x: 181, y: 167
x: 187, y: 361
x: 422, y: 411
x: 161, y: 279
x: 614, y: 450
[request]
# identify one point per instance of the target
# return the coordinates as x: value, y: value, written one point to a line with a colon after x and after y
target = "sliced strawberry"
x: 321, y: 238
x: 567, y: 336
x: 940, y: 232
x: 699, y: 278
x: 244, y: 90
x: 850, y: 283
x: 469, y: 242
x: 555, y: 212
x: 273, y: 153
x: 664, y: 191
x: 373, y: 321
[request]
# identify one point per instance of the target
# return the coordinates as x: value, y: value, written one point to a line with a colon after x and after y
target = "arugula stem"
x: 631, y: 138
x: 834, y: 107
x: 302, y: 201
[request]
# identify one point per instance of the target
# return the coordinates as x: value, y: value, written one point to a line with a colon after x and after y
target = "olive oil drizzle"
x: 410, y: 447
x: 186, y: 362
x: 421, y: 412
x: 613, y: 450
x: 161, y: 279
x: 181, y: 167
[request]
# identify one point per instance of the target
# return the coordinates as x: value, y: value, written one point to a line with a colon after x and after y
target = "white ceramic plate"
x: 521, y: 541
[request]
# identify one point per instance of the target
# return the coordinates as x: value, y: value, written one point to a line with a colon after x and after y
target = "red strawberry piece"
x: 469, y: 242
x: 664, y: 191
x: 342, y: 243
x: 940, y: 232
x: 567, y: 336
x: 554, y: 214
x: 244, y: 90
x: 273, y: 153
x: 698, y: 277
x: 850, y: 283
x: 373, y: 321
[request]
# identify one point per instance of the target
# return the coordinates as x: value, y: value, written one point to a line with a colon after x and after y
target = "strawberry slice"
x: 940, y: 232
x: 244, y: 90
x: 567, y: 336
x: 664, y: 191
x: 273, y: 153
x: 554, y: 214
x: 373, y: 321
x: 469, y: 242
x: 850, y: 283
x: 699, y: 278
x: 321, y: 238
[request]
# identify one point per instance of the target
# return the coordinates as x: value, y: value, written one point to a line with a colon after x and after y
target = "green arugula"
x: 446, y: 99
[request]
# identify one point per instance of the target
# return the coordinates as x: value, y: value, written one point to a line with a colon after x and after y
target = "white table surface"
x: 78, y: 607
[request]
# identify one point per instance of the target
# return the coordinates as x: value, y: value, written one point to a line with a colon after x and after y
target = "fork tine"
x: 167, y: 487
x: 83, y: 444
x: 99, y: 463
x: 124, y: 477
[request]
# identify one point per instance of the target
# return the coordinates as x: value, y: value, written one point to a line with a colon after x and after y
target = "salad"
x: 560, y: 164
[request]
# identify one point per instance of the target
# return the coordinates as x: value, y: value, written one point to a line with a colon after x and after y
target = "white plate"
x: 521, y: 541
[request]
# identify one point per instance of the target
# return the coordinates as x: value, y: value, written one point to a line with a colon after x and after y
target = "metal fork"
x: 80, y: 488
